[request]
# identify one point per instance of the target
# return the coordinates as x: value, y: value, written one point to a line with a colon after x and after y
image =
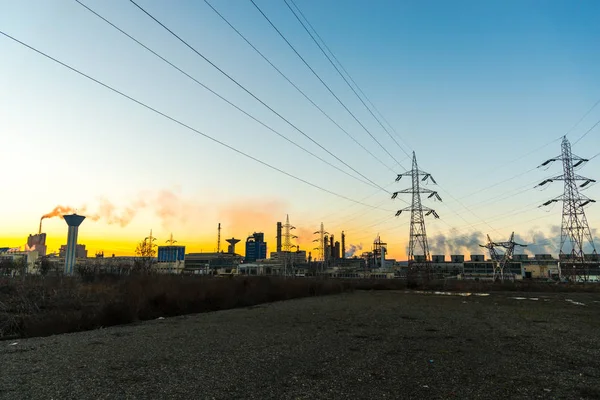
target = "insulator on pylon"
x: 584, y: 184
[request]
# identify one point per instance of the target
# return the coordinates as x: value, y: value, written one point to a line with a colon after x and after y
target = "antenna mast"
x: 219, y: 238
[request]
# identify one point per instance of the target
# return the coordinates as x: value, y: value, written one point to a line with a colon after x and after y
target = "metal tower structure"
x: 219, y: 238
x: 287, y: 246
x: 418, y: 251
x: 574, y: 228
x: 502, y: 261
x: 171, y: 241
x: 321, y: 241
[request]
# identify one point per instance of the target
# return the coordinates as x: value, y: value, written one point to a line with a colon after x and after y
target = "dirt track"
x: 360, y: 345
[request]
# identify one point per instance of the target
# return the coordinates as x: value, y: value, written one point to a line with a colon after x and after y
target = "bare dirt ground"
x: 385, y: 344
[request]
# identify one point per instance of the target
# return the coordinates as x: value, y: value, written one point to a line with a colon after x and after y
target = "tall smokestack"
x: 40, y: 230
x: 343, y: 245
x: 279, y: 237
x: 73, y: 221
x: 331, y: 247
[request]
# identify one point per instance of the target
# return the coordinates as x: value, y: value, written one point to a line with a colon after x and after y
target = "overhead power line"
x: 588, y: 131
x: 325, y: 84
x: 251, y: 93
x: 225, y: 99
x: 348, y: 75
x: 296, y: 86
x: 343, y: 77
x: 582, y: 118
x: 156, y: 111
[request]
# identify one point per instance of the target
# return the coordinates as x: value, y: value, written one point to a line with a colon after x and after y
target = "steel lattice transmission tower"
x: 287, y: 245
x: 321, y: 242
x: 502, y: 261
x: 418, y: 251
x: 574, y: 227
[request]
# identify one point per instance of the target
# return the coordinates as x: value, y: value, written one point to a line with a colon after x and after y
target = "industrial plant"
x: 498, y: 259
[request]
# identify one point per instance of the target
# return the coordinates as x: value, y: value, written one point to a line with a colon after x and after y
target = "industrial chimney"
x: 73, y: 221
x: 343, y: 245
x: 331, y: 247
x: 279, y: 237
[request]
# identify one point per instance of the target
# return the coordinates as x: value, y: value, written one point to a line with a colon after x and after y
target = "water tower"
x: 73, y: 221
x: 232, y: 242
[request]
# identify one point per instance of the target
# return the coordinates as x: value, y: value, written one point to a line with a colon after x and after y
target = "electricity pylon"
x: 574, y: 227
x: 287, y: 245
x: 321, y: 243
x: 502, y: 262
x: 418, y: 251
x: 171, y: 241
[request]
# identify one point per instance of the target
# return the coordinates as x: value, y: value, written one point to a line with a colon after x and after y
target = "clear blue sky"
x: 471, y: 86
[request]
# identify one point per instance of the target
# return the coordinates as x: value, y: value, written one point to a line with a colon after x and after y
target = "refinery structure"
x: 498, y: 259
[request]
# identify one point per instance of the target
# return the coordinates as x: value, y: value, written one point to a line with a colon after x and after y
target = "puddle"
x: 574, y: 302
x: 461, y: 294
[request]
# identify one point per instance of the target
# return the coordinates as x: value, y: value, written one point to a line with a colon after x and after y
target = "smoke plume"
x: 59, y: 211
x: 109, y: 213
x: 305, y: 238
x: 539, y: 243
x: 352, y: 249
x: 454, y: 243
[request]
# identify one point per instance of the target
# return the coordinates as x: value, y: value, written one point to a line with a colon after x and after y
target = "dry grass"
x: 40, y: 307
x: 53, y: 305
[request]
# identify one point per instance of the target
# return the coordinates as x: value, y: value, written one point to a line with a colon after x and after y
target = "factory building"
x: 296, y: 257
x: 256, y: 247
x: 169, y: 254
x: 211, y: 263
x: 80, y: 251
x: 170, y: 259
x: 14, y: 255
x: 37, y: 243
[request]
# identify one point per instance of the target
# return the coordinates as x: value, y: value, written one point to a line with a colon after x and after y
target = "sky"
x: 481, y: 91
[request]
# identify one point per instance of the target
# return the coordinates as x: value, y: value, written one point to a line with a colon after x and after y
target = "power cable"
x: 223, y: 98
x: 296, y: 86
x: 348, y: 74
x: 584, y: 116
x: 588, y: 131
x: 340, y: 73
x: 324, y: 84
x: 250, y: 93
x: 344, y: 78
x: 179, y: 122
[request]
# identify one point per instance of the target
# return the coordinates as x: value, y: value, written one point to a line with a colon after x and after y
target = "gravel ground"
x: 359, y: 345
